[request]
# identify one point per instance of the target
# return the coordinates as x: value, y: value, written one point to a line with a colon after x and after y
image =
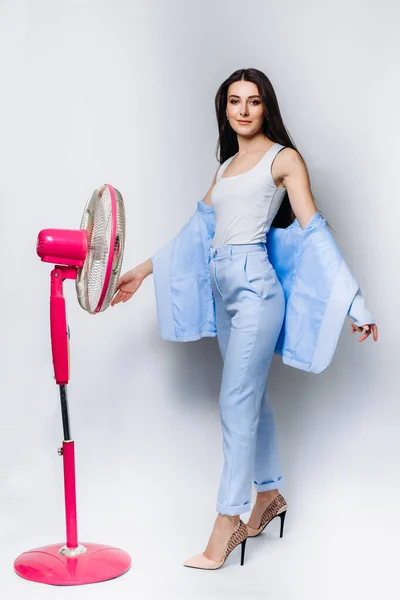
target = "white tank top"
x: 245, y: 205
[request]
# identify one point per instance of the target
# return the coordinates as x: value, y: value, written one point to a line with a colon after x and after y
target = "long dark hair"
x: 273, y: 127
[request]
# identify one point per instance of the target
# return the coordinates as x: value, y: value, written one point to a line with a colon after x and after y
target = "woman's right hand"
x: 129, y: 283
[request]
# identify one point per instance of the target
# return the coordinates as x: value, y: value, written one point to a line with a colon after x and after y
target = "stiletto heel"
x: 239, y: 536
x: 276, y: 508
x: 282, y: 516
x: 242, y: 552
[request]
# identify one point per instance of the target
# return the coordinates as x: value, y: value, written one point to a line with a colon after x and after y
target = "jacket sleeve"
x: 358, y: 311
x: 184, y: 301
x: 320, y: 291
x: 163, y: 271
x: 161, y: 260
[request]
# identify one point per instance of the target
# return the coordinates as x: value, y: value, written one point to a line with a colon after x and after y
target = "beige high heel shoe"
x: 276, y: 508
x: 239, y: 536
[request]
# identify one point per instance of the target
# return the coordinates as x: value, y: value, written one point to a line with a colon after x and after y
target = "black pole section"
x: 64, y: 411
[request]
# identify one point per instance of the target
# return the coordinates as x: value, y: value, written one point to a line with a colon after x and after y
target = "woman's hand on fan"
x: 128, y: 284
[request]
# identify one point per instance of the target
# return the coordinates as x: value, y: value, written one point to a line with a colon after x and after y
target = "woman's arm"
x: 288, y: 167
x: 207, y: 197
x: 147, y: 267
x: 129, y: 283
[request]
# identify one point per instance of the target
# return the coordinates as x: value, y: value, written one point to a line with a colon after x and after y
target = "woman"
x: 262, y: 181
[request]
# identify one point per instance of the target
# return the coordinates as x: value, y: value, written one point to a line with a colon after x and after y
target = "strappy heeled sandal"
x: 276, y: 508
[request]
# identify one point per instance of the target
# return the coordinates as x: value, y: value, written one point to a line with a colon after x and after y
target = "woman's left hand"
x: 366, y: 331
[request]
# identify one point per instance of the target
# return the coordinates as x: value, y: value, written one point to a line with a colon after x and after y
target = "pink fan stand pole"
x: 72, y: 563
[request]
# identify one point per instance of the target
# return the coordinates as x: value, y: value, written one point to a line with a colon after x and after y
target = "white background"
x: 123, y: 92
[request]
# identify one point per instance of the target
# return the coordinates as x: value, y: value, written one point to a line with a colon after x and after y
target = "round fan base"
x: 47, y: 565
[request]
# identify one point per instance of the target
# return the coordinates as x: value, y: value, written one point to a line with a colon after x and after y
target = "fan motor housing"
x: 63, y: 246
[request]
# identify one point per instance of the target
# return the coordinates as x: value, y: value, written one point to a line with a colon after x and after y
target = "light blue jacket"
x: 319, y: 288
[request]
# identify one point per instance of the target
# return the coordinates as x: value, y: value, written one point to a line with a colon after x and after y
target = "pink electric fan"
x: 92, y: 256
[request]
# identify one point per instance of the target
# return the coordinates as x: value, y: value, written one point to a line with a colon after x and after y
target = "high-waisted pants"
x: 250, y: 308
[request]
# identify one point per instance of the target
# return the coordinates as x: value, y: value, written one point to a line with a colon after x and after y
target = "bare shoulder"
x: 289, y: 156
x: 207, y: 197
x: 288, y: 161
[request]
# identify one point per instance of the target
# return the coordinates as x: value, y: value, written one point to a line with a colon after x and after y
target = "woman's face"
x: 244, y: 104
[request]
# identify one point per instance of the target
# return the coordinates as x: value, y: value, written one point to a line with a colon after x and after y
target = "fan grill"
x: 98, y: 221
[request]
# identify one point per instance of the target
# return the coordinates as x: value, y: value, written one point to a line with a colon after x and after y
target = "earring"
x: 227, y: 117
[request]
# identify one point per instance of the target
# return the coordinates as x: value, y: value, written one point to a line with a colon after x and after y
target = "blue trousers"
x: 250, y: 308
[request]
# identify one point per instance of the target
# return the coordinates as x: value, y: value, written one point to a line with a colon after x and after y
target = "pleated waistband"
x: 231, y: 249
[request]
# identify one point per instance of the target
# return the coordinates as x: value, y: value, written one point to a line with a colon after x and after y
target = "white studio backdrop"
x: 123, y: 92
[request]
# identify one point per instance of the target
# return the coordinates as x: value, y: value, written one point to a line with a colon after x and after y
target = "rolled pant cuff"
x: 233, y: 510
x: 270, y: 485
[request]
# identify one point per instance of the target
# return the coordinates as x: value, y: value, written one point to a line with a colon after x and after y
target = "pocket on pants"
x: 257, y: 271
x: 213, y: 276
